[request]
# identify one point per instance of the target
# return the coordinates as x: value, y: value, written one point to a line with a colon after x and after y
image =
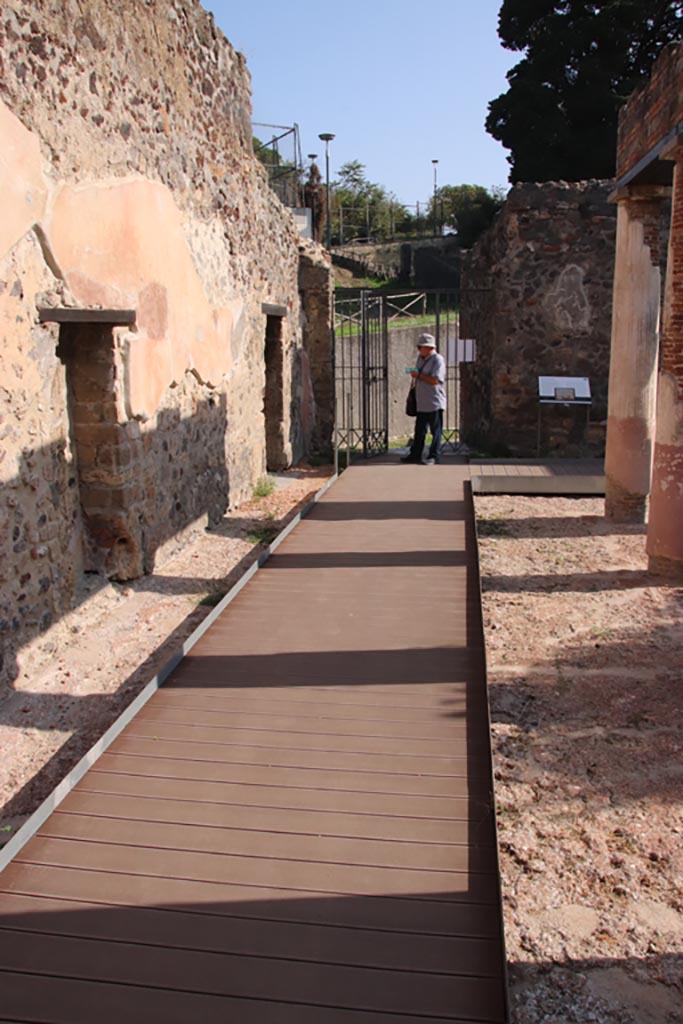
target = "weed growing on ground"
x: 262, y: 533
x: 492, y: 527
x: 264, y: 486
x: 211, y: 600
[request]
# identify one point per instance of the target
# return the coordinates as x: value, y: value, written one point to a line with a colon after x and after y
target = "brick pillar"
x: 634, y: 352
x: 665, y: 527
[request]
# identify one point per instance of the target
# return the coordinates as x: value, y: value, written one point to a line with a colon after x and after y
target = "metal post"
x: 327, y: 137
x: 341, y: 225
x: 435, y: 163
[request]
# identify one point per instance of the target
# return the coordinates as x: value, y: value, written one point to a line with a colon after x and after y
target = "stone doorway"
x: 273, y: 403
x: 106, y: 456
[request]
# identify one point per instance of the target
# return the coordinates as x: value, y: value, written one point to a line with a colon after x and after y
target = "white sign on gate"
x: 461, y: 350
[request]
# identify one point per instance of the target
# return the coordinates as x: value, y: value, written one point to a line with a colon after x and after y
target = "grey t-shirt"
x: 431, y: 396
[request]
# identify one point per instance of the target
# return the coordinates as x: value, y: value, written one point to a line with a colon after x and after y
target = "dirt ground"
x: 585, y: 659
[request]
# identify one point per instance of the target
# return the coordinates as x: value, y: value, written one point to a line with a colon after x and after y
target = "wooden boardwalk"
x: 297, y: 828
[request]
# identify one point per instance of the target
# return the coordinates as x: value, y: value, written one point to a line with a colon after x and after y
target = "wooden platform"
x: 297, y: 828
x: 538, y: 476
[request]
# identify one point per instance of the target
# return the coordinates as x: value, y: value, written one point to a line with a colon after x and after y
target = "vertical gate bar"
x: 363, y: 354
x: 385, y: 372
x: 457, y: 370
x: 439, y: 348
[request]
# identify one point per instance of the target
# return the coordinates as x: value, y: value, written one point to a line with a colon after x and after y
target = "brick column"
x: 634, y: 352
x: 665, y: 527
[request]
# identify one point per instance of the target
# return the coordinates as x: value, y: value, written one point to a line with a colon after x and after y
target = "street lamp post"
x: 327, y: 137
x: 314, y: 200
x: 435, y: 163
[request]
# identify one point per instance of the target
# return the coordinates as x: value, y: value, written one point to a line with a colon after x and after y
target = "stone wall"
x: 422, y: 263
x: 129, y: 183
x: 536, y: 295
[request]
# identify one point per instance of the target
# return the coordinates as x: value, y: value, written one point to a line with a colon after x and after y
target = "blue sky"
x: 400, y: 83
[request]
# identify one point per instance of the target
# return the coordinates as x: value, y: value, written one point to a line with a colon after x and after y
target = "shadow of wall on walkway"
x: 189, y: 950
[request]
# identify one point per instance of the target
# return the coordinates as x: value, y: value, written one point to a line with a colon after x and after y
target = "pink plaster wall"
x: 22, y: 184
x: 119, y: 244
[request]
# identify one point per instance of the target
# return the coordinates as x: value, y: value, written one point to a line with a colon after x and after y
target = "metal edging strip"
x: 469, y: 505
x: 73, y: 777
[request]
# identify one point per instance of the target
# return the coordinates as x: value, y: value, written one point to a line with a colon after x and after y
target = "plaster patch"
x: 22, y: 185
x: 121, y: 243
x: 567, y: 302
x: 669, y: 411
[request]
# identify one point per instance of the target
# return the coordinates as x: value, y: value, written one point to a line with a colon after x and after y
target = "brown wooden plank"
x: 225, y: 703
x: 65, y: 1001
x: 262, y: 870
x: 299, y: 778
x: 269, y: 819
x: 302, y: 983
x: 313, y: 699
x: 137, y: 742
x: 220, y: 733
x: 388, y: 913
x: 258, y: 843
x: 245, y: 936
x: 314, y: 800
x: 454, y: 721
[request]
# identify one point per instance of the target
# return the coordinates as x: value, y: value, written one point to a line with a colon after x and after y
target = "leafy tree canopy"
x: 468, y: 209
x: 581, y: 61
x: 266, y: 153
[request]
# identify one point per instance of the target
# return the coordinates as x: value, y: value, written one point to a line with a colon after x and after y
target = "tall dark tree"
x: 581, y: 61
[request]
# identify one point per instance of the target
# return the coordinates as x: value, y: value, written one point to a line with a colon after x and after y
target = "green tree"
x: 581, y: 61
x: 468, y: 209
x: 362, y: 208
x: 266, y: 152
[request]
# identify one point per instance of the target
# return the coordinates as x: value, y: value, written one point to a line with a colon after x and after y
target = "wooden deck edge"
x: 567, y: 486
x: 73, y: 777
x: 471, y: 512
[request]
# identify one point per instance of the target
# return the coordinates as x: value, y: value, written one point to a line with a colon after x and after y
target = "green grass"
x: 399, y: 442
x: 348, y: 329
x: 264, y: 486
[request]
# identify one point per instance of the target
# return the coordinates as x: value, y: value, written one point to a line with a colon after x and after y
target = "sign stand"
x: 566, y: 391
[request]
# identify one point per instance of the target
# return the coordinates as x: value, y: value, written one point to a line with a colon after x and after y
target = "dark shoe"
x: 409, y: 458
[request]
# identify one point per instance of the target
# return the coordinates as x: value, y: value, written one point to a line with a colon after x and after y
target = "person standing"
x: 430, y: 394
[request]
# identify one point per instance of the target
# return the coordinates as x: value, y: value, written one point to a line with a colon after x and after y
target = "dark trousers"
x: 433, y: 420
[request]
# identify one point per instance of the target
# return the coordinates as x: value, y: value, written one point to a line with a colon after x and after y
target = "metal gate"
x: 375, y: 335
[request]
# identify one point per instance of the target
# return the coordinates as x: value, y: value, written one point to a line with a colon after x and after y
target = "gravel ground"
x: 585, y: 656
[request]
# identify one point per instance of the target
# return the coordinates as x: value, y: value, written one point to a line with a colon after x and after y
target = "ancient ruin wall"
x: 130, y: 182
x: 536, y: 295
x: 651, y: 112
